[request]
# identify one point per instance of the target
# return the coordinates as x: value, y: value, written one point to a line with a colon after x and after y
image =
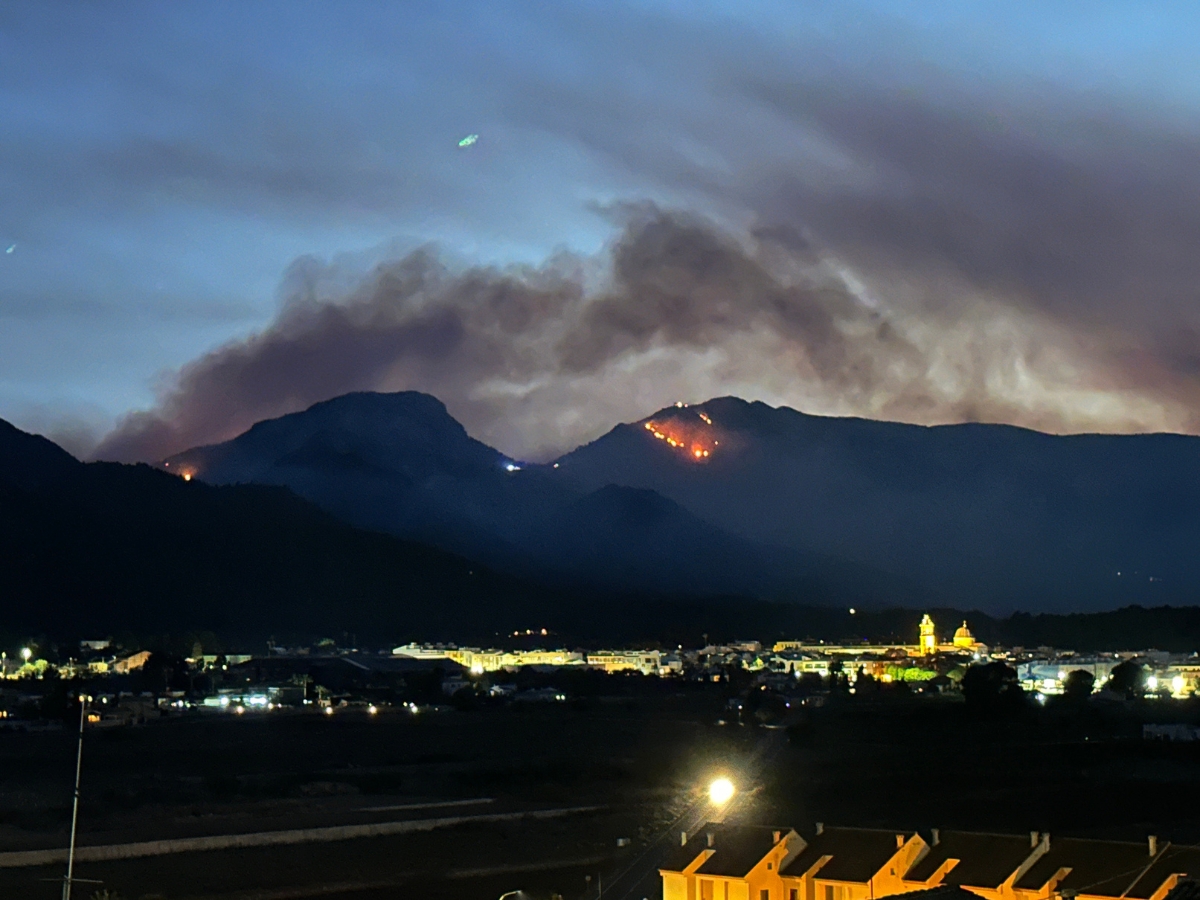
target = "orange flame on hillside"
x: 696, y: 441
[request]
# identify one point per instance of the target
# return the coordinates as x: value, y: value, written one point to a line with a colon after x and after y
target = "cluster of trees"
x: 993, y: 687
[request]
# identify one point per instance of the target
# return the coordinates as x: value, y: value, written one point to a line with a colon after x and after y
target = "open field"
x: 929, y: 763
x: 896, y: 762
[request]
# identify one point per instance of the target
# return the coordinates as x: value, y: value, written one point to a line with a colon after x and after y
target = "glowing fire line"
x: 697, y: 449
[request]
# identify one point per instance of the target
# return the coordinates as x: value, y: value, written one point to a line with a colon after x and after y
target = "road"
x: 639, y: 879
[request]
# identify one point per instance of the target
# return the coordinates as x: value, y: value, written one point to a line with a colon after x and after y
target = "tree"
x: 992, y: 688
x: 1128, y: 678
x: 1078, y: 685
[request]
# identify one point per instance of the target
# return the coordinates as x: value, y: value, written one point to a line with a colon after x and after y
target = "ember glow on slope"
x: 942, y: 212
x: 696, y: 441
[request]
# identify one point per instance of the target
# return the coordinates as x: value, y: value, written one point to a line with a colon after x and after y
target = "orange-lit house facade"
x: 731, y: 862
x: 850, y: 864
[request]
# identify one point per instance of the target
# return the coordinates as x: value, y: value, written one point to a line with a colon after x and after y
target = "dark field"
x: 901, y: 762
x: 931, y: 763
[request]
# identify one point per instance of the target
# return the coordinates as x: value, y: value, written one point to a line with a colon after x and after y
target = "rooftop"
x: 738, y: 848
x: 1181, y: 860
x: 1097, y: 867
x: 858, y: 853
x: 985, y: 860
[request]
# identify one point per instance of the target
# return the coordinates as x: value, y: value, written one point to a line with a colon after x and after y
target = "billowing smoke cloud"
x: 536, y: 360
x: 987, y: 216
x: 878, y: 239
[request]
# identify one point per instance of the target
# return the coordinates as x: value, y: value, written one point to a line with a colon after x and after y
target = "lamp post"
x: 84, y: 699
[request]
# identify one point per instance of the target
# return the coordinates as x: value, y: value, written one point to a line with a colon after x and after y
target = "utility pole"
x: 66, y: 893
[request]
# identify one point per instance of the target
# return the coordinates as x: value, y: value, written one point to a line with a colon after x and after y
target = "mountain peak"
x: 367, y: 431
x: 30, y: 460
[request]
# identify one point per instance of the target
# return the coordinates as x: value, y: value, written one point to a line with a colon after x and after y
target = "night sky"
x: 927, y: 212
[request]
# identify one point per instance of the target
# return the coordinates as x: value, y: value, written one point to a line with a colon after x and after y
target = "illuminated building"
x: 648, y: 662
x: 131, y: 663
x: 724, y: 862
x: 729, y: 862
x: 963, y: 637
x: 927, y: 644
x: 480, y: 661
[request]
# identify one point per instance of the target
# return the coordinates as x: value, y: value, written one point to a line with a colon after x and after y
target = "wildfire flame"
x: 696, y: 441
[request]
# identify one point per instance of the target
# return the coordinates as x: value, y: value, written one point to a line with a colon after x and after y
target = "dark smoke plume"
x: 536, y: 360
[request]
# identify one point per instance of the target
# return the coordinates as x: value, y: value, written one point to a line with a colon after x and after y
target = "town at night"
x: 601, y: 450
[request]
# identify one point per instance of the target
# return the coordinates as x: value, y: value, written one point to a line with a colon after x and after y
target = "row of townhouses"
x: 739, y: 862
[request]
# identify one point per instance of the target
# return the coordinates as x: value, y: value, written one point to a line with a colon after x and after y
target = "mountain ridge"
x: 995, y: 513
x: 514, y: 518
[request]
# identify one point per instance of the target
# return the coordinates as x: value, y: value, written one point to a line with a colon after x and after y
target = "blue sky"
x: 163, y: 165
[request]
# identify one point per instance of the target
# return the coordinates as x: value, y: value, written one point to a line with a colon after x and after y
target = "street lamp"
x: 721, y: 791
x: 84, y: 700
x: 26, y: 654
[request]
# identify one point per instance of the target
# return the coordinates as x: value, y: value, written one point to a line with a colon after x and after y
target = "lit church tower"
x: 928, y: 645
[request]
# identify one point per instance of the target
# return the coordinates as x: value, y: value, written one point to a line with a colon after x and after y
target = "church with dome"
x: 927, y: 644
x: 962, y: 642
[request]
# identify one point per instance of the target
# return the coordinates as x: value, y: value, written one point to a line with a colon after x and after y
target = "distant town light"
x: 372, y: 709
x: 329, y: 710
x: 720, y: 791
x: 1152, y: 683
x: 1177, y: 684
x: 853, y: 610
x: 26, y: 654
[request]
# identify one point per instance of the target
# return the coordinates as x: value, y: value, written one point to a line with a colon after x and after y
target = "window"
x: 764, y: 894
x: 793, y: 894
x: 706, y: 889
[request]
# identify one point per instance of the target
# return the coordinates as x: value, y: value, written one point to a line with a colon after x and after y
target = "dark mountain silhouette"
x: 400, y: 463
x: 985, y: 516
x: 625, y: 538
x: 29, y: 460
x: 98, y: 548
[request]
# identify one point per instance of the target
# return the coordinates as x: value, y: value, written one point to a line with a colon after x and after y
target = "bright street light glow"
x: 720, y: 791
x: 1152, y: 683
x: 26, y: 653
